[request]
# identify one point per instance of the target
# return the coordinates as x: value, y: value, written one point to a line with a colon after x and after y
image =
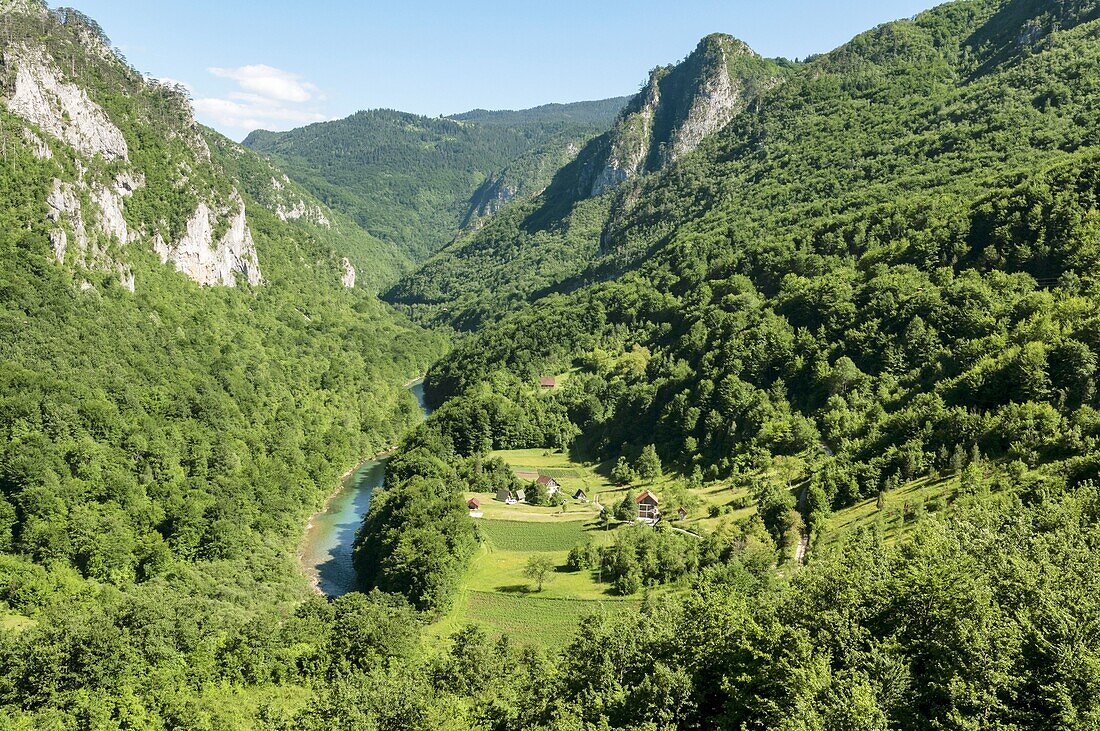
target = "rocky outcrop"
x: 93, y: 231
x: 289, y: 206
x: 714, y: 101
x: 348, y: 279
x: 490, y: 197
x: 680, y: 107
x: 64, y: 209
x: 25, y: 7
x: 197, y: 255
x: 38, y: 146
x: 61, y: 109
x: 301, y: 211
x: 631, y: 139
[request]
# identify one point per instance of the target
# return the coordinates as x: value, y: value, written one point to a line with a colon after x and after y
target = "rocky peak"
x: 26, y: 7
x: 89, y: 159
x: 679, y: 107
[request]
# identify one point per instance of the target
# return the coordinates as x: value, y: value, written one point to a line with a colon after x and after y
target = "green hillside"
x: 812, y: 351
x: 551, y: 242
x: 162, y: 442
x: 409, y: 180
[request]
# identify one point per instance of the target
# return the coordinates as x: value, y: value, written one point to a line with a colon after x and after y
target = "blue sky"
x: 282, y: 64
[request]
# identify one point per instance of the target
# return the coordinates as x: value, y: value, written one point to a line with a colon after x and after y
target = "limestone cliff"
x: 54, y: 67
x: 210, y: 260
x: 678, y: 108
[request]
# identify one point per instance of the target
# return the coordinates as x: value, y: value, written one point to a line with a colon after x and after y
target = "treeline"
x: 980, y: 619
x: 417, y: 538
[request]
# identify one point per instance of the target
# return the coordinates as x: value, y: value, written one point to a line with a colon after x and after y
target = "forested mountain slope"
x: 185, y: 371
x: 546, y: 243
x: 880, y: 271
x: 892, y: 254
x: 416, y: 181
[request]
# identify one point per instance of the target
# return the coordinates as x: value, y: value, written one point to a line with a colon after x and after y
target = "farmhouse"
x: 505, y: 496
x: 647, y: 507
x: 549, y: 483
x: 548, y: 382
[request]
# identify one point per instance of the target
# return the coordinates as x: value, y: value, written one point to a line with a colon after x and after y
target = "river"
x: 326, y: 548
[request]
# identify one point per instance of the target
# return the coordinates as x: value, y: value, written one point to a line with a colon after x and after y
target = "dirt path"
x: 804, y: 531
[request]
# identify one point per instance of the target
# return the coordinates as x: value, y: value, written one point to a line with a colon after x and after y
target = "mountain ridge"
x: 411, y: 180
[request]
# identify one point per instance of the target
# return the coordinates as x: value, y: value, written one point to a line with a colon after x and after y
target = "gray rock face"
x: 64, y: 209
x: 87, y: 209
x: 61, y: 109
x: 348, y: 279
x: 680, y: 107
x: 197, y: 255
x: 631, y: 139
x: 26, y: 7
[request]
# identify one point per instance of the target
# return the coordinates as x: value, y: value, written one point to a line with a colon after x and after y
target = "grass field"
x: 514, y: 535
x: 570, y: 475
x: 496, y: 595
x: 932, y: 494
x: 15, y: 622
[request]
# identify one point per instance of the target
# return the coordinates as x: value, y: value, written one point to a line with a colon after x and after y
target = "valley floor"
x: 497, y: 596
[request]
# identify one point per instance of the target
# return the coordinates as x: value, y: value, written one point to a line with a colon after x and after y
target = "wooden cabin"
x: 548, y: 382
x: 647, y: 506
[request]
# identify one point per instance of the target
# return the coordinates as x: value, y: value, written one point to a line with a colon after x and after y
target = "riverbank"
x: 312, y: 575
x: 325, y: 550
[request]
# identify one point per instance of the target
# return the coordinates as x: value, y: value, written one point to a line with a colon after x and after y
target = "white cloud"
x: 250, y: 116
x: 269, y: 82
x: 266, y: 97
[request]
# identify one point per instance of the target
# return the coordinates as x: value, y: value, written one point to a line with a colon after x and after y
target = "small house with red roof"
x: 647, y: 507
x: 549, y: 483
x: 548, y: 382
x: 473, y: 503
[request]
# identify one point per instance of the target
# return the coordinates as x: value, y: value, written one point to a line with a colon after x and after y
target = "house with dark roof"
x: 580, y: 495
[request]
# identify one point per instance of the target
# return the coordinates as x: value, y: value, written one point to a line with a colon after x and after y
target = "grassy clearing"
x: 514, y: 535
x: 15, y: 622
x: 571, y: 475
x: 930, y: 494
x: 494, y: 510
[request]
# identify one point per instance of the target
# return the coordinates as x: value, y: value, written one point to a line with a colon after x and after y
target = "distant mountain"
x: 591, y: 112
x: 416, y: 181
x: 548, y: 241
